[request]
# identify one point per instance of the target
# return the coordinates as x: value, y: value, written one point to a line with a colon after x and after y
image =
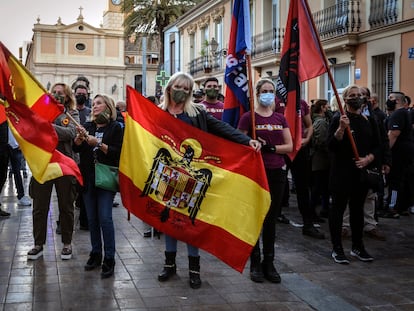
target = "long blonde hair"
x: 189, y: 106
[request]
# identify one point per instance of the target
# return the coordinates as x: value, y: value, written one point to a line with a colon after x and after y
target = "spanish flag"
x: 30, y: 111
x: 191, y: 185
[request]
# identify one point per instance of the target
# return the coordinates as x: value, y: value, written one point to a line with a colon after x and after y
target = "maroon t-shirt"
x: 271, y: 130
x: 216, y: 110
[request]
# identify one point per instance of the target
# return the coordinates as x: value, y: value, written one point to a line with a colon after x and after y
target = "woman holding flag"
x: 274, y: 134
x: 178, y: 102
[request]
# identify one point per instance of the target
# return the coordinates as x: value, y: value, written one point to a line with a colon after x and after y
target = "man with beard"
x: 212, y: 104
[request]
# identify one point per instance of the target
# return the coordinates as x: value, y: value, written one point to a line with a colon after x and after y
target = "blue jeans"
x: 171, y: 246
x: 98, y: 203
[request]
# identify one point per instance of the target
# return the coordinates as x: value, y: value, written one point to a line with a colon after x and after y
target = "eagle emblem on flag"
x: 176, y: 183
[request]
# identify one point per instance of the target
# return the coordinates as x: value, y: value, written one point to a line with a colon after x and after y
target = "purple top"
x: 216, y: 110
x: 271, y: 130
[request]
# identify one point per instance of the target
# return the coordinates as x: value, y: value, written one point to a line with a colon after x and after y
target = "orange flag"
x: 30, y: 110
x: 191, y: 185
x: 301, y: 59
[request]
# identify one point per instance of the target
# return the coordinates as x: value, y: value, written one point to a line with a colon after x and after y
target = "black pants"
x: 300, y: 168
x: 355, y: 199
x: 277, y: 180
x: 320, y: 189
x: 4, y: 164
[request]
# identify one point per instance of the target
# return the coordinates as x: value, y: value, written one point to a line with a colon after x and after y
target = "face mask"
x: 267, y: 99
x: 104, y: 117
x: 80, y: 99
x: 355, y: 103
x: 179, y: 96
x: 391, y: 104
x: 212, y: 93
x: 59, y: 98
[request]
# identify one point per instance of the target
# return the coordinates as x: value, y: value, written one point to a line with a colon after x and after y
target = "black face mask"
x: 391, y: 104
x: 80, y: 99
x: 355, y: 103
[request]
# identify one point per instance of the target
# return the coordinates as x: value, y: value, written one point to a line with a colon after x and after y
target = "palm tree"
x: 161, y: 13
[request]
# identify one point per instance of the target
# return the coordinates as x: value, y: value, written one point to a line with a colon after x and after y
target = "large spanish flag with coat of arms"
x: 191, y: 185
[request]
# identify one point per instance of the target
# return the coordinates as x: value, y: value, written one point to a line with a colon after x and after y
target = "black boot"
x: 256, y: 273
x: 169, y: 267
x: 194, y: 271
x: 94, y: 261
x: 108, y: 267
x: 269, y: 270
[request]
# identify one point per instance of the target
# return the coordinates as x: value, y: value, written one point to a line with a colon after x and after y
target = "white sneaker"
x: 24, y: 201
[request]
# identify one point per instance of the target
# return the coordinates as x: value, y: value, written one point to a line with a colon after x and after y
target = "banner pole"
x: 341, y: 109
x: 251, y: 95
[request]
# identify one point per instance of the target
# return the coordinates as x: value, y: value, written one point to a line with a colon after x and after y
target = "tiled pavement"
x: 310, y: 278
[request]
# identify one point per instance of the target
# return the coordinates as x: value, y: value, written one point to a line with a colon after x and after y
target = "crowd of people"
x: 354, y: 165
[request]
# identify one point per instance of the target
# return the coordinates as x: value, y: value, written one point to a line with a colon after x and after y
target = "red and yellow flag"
x: 30, y: 110
x: 191, y: 185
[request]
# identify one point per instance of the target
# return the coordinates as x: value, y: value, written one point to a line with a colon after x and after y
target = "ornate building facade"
x: 62, y: 53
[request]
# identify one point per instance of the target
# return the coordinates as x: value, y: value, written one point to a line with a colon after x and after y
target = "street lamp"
x: 214, y: 46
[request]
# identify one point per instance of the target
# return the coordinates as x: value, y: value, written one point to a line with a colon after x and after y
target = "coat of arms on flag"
x: 176, y: 183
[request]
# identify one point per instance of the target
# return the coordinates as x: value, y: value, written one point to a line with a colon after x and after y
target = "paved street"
x: 310, y: 278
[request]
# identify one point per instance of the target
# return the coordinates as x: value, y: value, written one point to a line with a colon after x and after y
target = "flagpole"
x: 341, y: 109
x: 251, y: 95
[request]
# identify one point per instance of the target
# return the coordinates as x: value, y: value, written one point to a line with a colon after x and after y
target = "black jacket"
x: 113, y: 135
x: 206, y: 122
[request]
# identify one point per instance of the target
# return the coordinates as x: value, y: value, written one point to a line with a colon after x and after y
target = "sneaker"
x: 66, y: 253
x: 339, y: 257
x: 375, y: 234
x: 24, y: 201
x: 313, y: 232
x: 282, y: 219
x: 35, y: 252
x: 4, y: 214
x: 361, y: 254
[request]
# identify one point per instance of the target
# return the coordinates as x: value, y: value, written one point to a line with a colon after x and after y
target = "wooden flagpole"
x: 251, y: 95
x: 341, y: 109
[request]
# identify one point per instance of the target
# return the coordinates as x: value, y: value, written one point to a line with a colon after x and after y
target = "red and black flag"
x: 302, y: 59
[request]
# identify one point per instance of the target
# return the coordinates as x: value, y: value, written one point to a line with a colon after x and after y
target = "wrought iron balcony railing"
x: 382, y: 12
x: 267, y: 43
x: 342, y: 18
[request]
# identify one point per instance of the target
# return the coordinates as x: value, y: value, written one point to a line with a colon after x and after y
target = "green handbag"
x: 106, y: 177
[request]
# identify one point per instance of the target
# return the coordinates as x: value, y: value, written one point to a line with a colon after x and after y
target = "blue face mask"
x: 267, y: 99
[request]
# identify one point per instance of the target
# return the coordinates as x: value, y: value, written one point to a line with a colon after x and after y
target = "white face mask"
x: 267, y: 99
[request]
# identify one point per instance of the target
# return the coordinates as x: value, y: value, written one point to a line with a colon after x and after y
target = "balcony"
x: 382, y: 13
x: 267, y: 43
x: 341, y: 19
x: 206, y: 64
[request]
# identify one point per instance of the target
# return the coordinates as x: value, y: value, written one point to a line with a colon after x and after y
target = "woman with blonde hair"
x: 178, y: 102
x: 100, y: 140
